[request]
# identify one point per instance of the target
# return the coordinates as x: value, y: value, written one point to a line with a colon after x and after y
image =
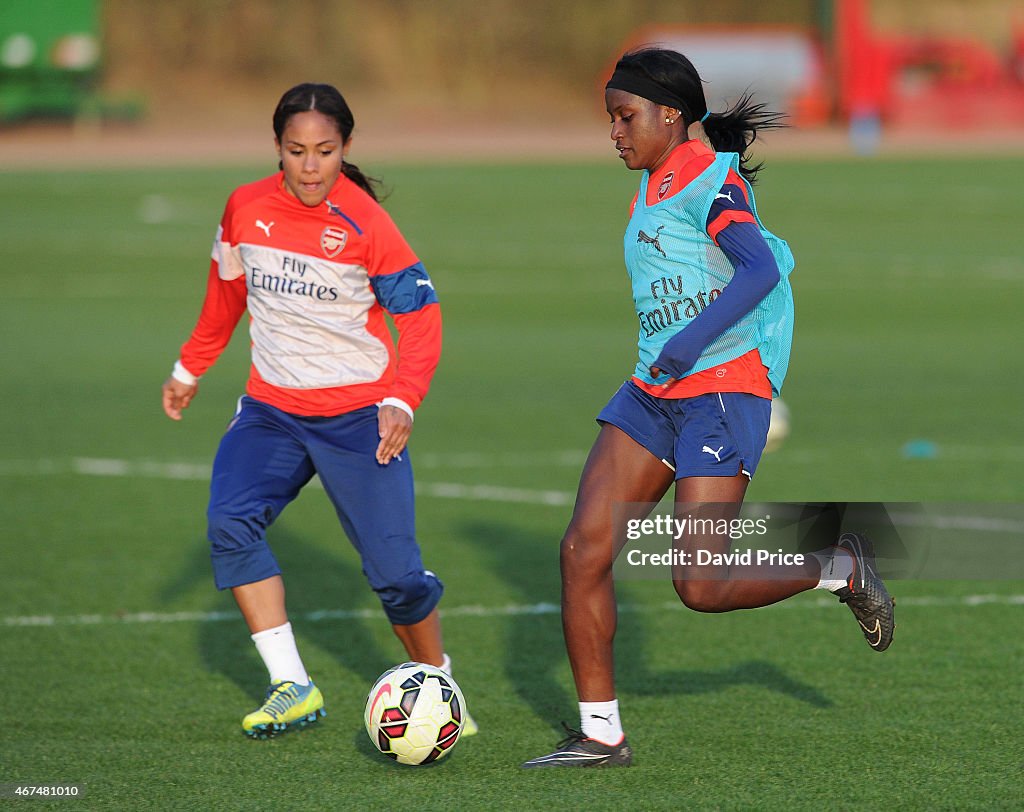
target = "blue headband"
x: 704, y: 117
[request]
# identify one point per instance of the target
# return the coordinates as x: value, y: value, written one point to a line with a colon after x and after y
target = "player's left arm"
x: 732, y: 225
x: 419, y: 351
x: 409, y: 297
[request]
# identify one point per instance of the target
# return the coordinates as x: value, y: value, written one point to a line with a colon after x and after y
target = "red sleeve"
x: 419, y: 351
x: 224, y: 303
x: 403, y: 288
x: 222, y: 308
x: 388, y: 250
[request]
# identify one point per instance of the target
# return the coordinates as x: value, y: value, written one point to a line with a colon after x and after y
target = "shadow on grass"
x: 314, y: 579
x: 536, y: 649
x: 641, y: 681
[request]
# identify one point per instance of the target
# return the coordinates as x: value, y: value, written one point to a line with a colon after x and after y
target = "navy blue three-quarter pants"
x: 265, y: 458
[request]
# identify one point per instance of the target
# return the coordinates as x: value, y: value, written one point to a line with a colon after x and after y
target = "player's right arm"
x: 223, y: 306
x: 177, y: 396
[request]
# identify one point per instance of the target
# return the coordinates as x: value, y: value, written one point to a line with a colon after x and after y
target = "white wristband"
x: 398, y: 403
x: 179, y: 373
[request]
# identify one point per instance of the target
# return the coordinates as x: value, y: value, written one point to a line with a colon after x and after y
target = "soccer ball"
x: 414, y: 713
x: 778, y: 426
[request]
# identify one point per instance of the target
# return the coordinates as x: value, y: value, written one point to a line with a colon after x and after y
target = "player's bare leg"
x: 722, y: 588
x: 424, y: 644
x: 618, y: 471
x: 847, y: 569
x: 422, y: 640
x: 292, y: 700
x: 262, y: 603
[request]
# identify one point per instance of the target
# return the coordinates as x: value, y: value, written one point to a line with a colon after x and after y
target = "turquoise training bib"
x: 676, y: 271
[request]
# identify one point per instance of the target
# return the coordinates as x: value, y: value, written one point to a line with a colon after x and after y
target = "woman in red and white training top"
x: 317, y: 262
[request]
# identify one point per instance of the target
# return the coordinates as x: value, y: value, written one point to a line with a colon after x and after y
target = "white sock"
x: 280, y: 655
x: 600, y: 720
x: 446, y: 665
x: 836, y: 568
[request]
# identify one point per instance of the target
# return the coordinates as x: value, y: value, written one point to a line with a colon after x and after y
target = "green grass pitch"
x: 125, y: 671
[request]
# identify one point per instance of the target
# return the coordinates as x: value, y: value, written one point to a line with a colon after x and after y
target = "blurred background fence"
x: 932, y: 63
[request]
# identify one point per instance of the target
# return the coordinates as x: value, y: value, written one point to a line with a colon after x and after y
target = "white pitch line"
x: 110, y: 467
x: 510, y: 610
x: 503, y: 459
x: 494, y: 493
x: 107, y: 467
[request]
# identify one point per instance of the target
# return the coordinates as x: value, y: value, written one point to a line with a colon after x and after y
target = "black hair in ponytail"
x: 677, y: 80
x: 325, y: 99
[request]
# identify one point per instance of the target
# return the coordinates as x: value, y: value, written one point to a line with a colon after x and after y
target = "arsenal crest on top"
x: 333, y: 240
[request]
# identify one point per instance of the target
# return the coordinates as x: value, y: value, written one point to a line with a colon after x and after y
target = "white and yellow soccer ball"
x: 414, y: 713
x: 778, y: 427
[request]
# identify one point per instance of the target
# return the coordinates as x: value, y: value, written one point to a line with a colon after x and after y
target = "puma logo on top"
x: 643, y: 237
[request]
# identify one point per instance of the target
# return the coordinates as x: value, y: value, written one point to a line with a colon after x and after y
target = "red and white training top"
x: 317, y: 282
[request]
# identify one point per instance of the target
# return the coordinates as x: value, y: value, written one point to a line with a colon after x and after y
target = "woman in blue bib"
x: 715, y: 316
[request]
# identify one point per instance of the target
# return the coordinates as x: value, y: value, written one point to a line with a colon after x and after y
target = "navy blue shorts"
x: 265, y: 458
x: 720, y: 434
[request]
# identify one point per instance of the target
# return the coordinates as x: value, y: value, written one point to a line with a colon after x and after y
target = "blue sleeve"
x: 756, y: 273
x: 729, y: 199
x: 403, y: 292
